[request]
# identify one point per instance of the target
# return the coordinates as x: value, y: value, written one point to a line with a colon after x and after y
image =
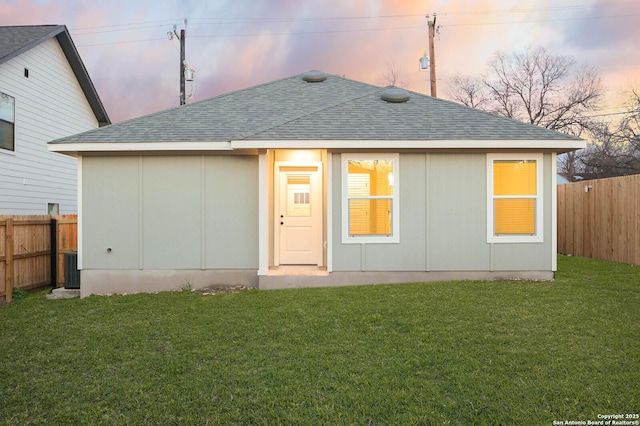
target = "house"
x: 315, y: 180
x: 564, y: 178
x: 45, y: 94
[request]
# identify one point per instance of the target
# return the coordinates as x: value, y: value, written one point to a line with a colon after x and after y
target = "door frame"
x: 317, y: 206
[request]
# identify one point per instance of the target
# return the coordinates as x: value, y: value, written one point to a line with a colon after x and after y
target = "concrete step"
x: 64, y: 293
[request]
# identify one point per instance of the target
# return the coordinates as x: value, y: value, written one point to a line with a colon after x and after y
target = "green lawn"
x: 507, y: 352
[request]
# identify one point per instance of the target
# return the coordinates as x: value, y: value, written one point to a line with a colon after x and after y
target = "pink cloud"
x: 230, y: 50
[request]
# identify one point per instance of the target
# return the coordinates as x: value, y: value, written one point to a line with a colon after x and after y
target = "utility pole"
x: 182, y: 37
x: 432, y: 54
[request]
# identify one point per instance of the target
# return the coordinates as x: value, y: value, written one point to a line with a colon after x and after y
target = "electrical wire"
x: 535, y: 21
x: 195, y: 22
x: 227, y: 21
x: 410, y: 27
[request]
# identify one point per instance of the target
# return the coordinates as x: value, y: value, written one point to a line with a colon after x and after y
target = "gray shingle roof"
x: 335, y: 109
x: 15, y: 40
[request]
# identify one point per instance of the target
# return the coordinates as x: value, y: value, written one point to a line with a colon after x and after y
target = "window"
x: 298, y: 199
x: 53, y: 208
x: 370, y: 198
x: 515, y: 199
x: 7, y: 119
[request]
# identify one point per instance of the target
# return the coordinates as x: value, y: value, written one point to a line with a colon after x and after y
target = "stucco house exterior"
x: 45, y: 94
x: 314, y: 180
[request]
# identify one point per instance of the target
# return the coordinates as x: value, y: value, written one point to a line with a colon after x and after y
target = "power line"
x: 261, y: 34
x: 281, y: 20
x: 120, y: 42
x: 409, y: 27
x: 164, y: 22
x: 608, y: 114
x: 143, y: 27
x: 535, y: 21
x: 232, y: 21
x: 160, y: 23
x: 537, y: 9
x: 225, y: 21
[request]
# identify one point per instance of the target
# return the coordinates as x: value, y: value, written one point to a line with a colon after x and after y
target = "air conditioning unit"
x: 71, y: 273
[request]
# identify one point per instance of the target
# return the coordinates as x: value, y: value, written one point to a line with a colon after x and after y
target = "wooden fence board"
x: 601, y: 219
x: 26, y: 251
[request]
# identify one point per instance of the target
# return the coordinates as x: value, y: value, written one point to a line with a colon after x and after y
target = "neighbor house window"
x: 7, y: 119
x: 514, y: 198
x: 370, y: 198
x: 53, y: 208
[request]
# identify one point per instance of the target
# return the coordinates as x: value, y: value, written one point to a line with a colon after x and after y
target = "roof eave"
x: 559, y: 146
x: 78, y: 147
x: 80, y: 71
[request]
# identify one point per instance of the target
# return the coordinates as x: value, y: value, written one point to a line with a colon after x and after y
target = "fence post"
x: 53, y: 228
x: 8, y: 250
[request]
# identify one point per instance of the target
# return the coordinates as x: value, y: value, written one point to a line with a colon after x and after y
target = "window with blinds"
x: 515, y: 201
x: 370, y: 201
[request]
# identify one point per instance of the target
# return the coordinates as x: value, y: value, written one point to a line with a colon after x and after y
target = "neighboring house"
x: 564, y: 178
x: 315, y: 180
x: 45, y: 94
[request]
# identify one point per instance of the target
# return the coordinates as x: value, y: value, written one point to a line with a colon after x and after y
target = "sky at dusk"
x: 233, y: 44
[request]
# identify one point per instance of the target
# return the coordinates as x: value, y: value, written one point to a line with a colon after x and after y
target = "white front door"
x: 298, y: 214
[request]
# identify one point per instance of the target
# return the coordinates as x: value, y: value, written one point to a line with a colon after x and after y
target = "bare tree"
x: 616, y: 147
x: 571, y: 163
x: 534, y: 86
x: 469, y: 91
x: 392, y: 77
x: 537, y: 87
x: 629, y: 126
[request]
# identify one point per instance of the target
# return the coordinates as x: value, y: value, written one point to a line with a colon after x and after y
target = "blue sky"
x: 236, y: 44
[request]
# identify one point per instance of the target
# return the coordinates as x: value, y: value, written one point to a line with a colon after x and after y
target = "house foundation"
x: 104, y: 282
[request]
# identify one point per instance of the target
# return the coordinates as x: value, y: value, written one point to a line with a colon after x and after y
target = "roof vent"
x: 314, y: 76
x: 395, y: 95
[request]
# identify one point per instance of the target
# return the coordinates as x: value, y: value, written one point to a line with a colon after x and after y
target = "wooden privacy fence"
x: 601, y: 219
x: 28, y: 258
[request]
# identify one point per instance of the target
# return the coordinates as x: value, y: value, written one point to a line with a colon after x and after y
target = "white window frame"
x: 395, y: 200
x: 538, y: 237
x: 13, y: 123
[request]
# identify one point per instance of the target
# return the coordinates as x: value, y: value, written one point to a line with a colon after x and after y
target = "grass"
x: 430, y: 353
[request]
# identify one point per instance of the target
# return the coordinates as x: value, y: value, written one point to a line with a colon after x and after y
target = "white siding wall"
x: 49, y: 105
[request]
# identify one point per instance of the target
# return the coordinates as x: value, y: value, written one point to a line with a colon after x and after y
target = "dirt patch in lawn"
x: 206, y: 291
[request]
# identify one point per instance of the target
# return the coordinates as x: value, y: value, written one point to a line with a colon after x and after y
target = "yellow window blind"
x: 369, y: 217
x: 515, y: 191
x: 514, y: 216
x: 514, y: 177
